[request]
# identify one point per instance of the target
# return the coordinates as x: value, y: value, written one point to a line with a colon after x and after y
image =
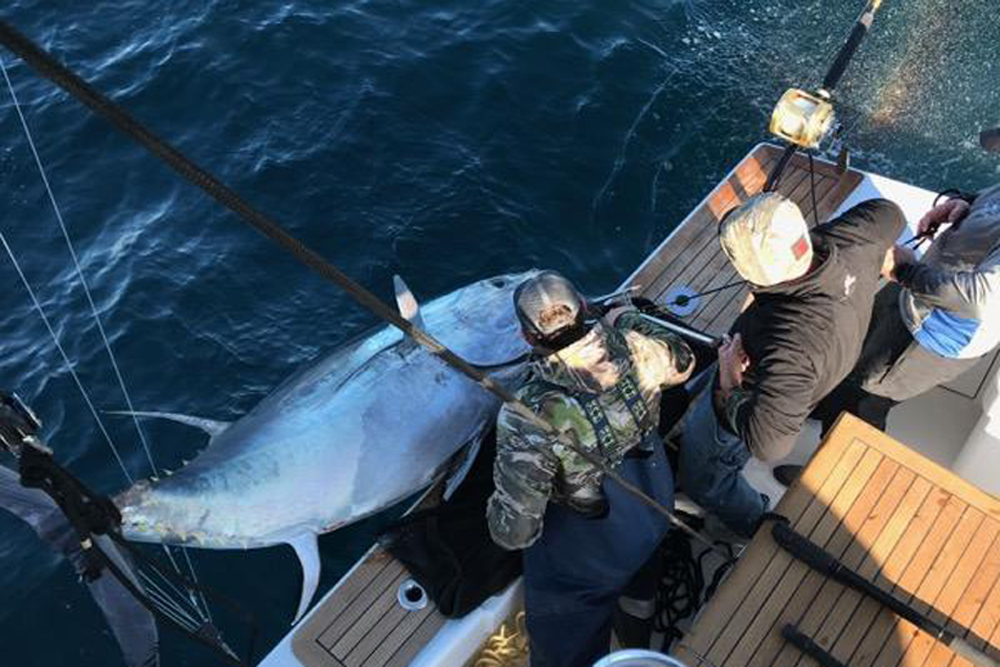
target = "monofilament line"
x: 65, y: 358
x: 76, y: 264
x: 94, y: 314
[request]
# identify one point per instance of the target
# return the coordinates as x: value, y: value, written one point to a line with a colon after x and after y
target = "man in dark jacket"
x: 800, y: 336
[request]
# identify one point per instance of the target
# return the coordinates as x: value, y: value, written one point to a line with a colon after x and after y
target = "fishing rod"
x: 804, y: 119
x: 45, y: 65
x: 682, y: 330
x: 825, y: 563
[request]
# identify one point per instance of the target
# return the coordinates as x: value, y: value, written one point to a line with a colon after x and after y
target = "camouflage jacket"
x: 602, y: 373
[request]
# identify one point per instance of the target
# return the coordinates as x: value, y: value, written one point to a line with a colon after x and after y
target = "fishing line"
x: 48, y: 67
x: 685, y: 299
x: 69, y: 367
x: 65, y: 358
x: 90, y: 300
x: 153, y: 587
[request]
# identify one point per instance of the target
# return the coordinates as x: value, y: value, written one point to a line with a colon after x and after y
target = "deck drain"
x: 411, y: 596
x: 681, y: 300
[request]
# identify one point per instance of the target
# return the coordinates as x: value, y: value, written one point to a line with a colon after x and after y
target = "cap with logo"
x: 551, y: 309
x: 767, y: 240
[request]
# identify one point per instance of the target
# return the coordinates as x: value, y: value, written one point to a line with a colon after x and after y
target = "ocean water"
x: 441, y: 140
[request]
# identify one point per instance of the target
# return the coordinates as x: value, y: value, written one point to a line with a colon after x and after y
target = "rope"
x: 46, y: 66
x: 93, y: 310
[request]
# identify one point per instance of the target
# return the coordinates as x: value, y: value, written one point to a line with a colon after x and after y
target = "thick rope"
x: 46, y: 66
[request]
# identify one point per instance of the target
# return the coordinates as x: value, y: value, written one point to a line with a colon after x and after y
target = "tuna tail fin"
x: 307, y: 549
x: 211, y: 426
x: 132, y: 624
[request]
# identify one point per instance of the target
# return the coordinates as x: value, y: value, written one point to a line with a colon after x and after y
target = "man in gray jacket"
x: 937, y: 318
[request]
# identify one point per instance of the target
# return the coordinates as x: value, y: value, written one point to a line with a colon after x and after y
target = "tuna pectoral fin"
x: 307, y: 549
x: 210, y: 426
x: 461, y: 464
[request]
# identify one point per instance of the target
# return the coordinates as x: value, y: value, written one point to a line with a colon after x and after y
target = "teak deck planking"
x: 361, y: 624
x: 898, y: 519
x: 692, y: 257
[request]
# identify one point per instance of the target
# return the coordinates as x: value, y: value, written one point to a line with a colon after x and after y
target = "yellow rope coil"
x: 508, y: 647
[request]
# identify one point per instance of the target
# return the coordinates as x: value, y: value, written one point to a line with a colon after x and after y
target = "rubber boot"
x: 633, y: 622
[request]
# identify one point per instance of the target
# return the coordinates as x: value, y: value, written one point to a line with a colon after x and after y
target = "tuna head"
x: 364, y: 427
x: 478, y: 322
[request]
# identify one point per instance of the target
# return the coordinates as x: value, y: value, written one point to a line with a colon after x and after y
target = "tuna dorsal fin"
x: 408, y: 306
x: 307, y: 549
x: 210, y: 426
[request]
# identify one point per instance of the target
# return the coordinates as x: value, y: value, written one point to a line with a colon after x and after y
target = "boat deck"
x: 899, y: 520
x: 361, y: 623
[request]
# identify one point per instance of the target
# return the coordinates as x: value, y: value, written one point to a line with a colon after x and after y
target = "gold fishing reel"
x: 802, y: 118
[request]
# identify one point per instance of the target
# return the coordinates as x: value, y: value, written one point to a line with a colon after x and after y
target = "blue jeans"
x: 711, y: 462
x: 576, y: 570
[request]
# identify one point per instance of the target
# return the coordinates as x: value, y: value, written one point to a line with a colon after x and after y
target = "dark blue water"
x: 444, y: 141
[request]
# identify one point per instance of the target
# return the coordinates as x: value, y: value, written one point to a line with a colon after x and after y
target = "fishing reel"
x: 19, y: 426
x: 803, y: 119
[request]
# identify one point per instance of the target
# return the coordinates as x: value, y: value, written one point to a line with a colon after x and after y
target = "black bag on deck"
x: 448, y: 548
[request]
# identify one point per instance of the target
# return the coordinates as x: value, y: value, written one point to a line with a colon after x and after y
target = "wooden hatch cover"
x: 912, y: 527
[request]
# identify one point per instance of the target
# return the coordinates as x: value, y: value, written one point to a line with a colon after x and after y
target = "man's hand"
x: 947, y: 212
x: 733, y: 362
x: 896, y: 256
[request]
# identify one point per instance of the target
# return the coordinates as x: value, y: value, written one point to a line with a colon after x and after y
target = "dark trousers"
x: 711, y: 467
x: 892, y: 368
x: 575, y: 572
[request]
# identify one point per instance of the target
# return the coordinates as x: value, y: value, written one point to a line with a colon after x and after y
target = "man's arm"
x: 663, y: 358
x: 965, y: 293
x: 877, y: 221
x: 523, y: 473
x: 768, y: 418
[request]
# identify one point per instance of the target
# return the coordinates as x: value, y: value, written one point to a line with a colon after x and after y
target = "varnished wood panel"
x: 915, y: 529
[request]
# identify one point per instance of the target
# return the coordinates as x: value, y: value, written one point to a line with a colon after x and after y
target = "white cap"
x: 767, y: 240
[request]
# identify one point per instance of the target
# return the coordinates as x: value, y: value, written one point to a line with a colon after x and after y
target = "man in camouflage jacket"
x: 584, y: 538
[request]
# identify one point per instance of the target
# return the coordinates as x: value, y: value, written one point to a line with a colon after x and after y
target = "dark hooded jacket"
x: 804, y: 336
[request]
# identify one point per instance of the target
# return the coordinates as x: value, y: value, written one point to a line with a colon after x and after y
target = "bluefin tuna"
x: 365, y: 427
